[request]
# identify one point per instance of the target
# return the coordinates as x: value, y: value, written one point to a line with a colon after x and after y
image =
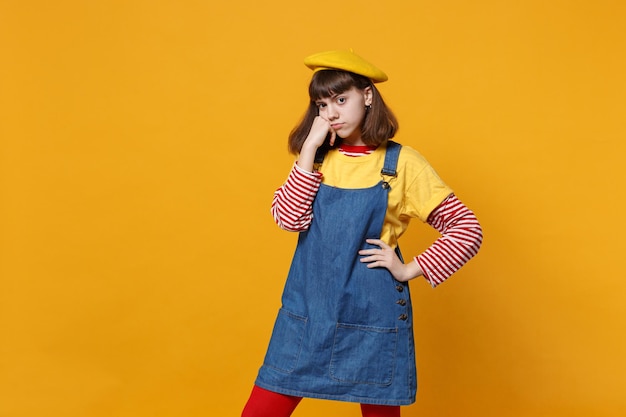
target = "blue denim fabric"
x: 344, y: 331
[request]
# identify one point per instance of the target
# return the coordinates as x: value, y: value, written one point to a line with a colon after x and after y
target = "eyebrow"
x: 329, y: 97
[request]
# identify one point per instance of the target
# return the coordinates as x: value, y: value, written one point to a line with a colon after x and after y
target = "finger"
x: 375, y: 265
x: 378, y: 253
x: 377, y: 259
x: 370, y: 258
x: 333, y: 134
x: 378, y: 242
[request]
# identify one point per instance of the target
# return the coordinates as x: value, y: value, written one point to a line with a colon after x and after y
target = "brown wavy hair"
x: 379, y: 123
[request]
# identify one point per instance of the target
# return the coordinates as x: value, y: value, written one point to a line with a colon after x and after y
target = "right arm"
x: 292, y: 206
x: 315, y: 139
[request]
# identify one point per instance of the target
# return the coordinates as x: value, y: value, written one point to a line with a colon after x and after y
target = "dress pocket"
x: 286, y: 342
x: 364, y: 354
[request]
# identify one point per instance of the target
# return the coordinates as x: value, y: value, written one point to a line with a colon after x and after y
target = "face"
x: 345, y: 113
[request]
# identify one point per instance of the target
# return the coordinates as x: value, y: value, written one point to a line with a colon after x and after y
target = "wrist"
x: 309, y: 146
x: 306, y: 158
x: 412, y: 270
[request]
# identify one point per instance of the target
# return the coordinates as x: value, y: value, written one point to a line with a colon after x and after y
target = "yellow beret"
x: 346, y: 61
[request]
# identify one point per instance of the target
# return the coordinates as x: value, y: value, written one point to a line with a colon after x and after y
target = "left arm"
x: 461, y: 238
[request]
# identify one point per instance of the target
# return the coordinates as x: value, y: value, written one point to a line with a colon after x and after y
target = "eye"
x: 320, y: 105
x: 341, y: 100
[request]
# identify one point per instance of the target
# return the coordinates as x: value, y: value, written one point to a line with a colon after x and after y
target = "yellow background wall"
x: 141, y: 141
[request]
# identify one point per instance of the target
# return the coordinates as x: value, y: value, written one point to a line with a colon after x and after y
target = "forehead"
x: 330, y: 83
x: 352, y: 91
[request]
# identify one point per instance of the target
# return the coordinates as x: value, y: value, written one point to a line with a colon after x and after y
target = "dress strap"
x: 391, y: 158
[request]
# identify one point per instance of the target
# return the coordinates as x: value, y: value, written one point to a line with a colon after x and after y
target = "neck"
x: 353, y: 142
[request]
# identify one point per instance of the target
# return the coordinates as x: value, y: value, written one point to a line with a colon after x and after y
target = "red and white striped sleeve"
x: 292, y: 206
x: 461, y: 238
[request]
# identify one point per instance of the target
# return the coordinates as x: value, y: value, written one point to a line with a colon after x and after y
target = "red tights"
x: 264, y: 403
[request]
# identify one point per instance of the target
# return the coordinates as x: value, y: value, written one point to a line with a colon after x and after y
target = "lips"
x: 336, y: 126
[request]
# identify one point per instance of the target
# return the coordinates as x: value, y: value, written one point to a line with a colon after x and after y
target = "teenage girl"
x: 344, y: 331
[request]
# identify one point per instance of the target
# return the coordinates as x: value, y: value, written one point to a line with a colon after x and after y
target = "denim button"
x: 400, y: 288
x: 403, y: 317
x: 401, y: 301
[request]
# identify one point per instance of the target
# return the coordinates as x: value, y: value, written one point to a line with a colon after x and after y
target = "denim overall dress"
x: 344, y: 331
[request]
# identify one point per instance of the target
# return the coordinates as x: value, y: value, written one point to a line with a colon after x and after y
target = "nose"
x: 331, y: 112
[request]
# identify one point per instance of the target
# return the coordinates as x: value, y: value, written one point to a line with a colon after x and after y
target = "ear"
x: 367, y: 96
